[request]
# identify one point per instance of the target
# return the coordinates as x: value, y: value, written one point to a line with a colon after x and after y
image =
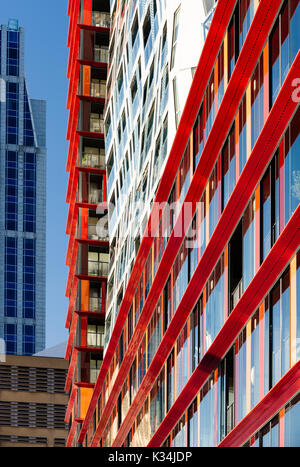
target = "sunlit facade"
x: 154, y: 50
x: 88, y: 252
x: 204, y: 348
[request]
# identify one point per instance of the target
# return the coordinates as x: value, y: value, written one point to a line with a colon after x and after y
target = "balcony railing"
x: 96, y: 268
x: 98, y: 88
x: 95, y: 196
x: 101, y: 54
x: 92, y: 230
x: 94, y: 160
x: 95, y: 339
x: 96, y: 125
x: 95, y: 304
x: 100, y: 19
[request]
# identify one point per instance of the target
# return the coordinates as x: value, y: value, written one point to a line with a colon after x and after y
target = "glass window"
x: 292, y: 423
x: 284, y: 44
x: 298, y: 307
x: 198, y: 137
x: 242, y: 135
x: 214, y: 308
x: 254, y: 376
x: 241, y: 371
x: 248, y: 244
x: 221, y: 75
x: 207, y: 417
x: 257, y: 101
x: 192, y: 425
x: 246, y: 17
x: 292, y: 167
x: 280, y: 325
x: 28, y: 339
x: 228, y: 166
x: 214, y: 208
x: 175, y: 36
x: 270, y: 207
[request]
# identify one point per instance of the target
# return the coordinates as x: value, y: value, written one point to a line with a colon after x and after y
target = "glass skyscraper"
x: 22, y: 201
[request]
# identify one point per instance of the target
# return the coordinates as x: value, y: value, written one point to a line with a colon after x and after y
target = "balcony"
x: 101, y: 54
x: 93, y: 232
x: 96, y: 268
x: 96, y: 123
x: 95, y: 195
x: 95, y: 304
x: 93, y: 158
x: 98, y: 88
x: 94, y: 338
x: 100, y: 19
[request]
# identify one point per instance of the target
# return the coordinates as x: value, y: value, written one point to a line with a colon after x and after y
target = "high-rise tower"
x: 22, y: 202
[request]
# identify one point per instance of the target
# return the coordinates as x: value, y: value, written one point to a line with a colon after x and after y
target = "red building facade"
x: 88, y: 250
x: 205, y: 349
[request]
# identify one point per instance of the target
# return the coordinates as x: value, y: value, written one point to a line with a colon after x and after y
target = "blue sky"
x: 46, y: 57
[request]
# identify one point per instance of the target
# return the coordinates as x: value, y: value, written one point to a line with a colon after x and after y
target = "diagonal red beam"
x: 71, y: 335
x: 71, y: 302
x: 71, y: 369
x: 71, y: 433
x: 71, y: 403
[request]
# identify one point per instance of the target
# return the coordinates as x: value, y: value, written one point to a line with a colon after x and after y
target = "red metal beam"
x: 208, y: 56
x: 90, y: 134
x: 70, y: 403
x: 71, y: 369
x: 94, y: 28
x: 71, y: 434
x: 275, y: 399
x: 101, y: 100
x: 90, y: 313
x: 83, y: 348
x: 85, y: 277
x: 71, y: 336
x: 92, y: 63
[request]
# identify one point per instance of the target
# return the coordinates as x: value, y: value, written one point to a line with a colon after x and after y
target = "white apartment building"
x: 154, y: 49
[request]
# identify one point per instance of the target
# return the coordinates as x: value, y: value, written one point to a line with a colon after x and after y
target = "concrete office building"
x: 32, y: 400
